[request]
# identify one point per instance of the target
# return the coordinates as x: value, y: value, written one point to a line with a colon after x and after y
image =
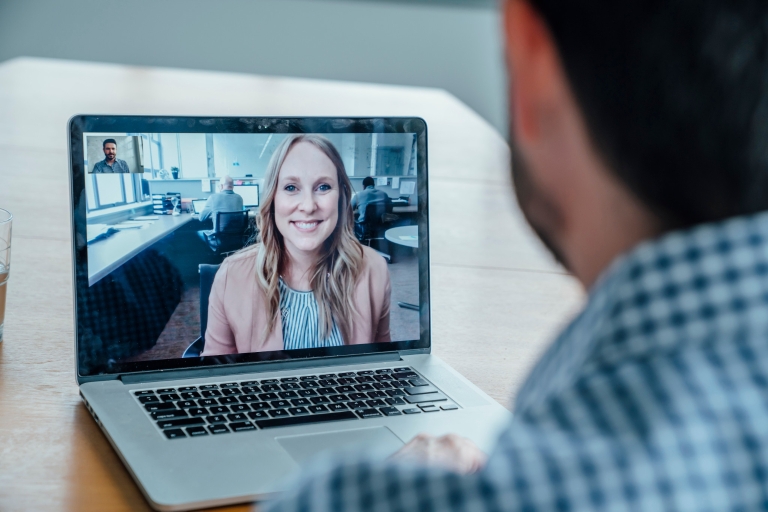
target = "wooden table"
x: 498, y: 297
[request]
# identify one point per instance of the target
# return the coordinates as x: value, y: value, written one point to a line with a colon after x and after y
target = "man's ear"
x: 533, y: 68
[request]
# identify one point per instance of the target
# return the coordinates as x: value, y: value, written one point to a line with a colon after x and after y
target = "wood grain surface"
x: 498, y: 297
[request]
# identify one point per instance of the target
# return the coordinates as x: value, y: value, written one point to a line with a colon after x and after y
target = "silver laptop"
x: 198, y: 415
x: 198, y: 205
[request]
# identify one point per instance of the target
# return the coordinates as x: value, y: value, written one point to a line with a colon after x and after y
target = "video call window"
x: 175, y: 232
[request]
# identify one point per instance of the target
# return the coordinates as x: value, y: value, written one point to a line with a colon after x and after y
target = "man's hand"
x: 451, y: 452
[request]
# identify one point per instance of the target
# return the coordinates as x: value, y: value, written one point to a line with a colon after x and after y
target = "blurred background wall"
x: 451, y: 44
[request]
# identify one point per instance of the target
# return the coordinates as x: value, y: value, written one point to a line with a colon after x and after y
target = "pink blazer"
x: 237, y: 310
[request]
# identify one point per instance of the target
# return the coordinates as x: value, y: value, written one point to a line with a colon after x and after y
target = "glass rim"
x: 9, y: 216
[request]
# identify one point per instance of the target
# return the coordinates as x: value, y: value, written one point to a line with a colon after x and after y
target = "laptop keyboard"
x: 240, y: 406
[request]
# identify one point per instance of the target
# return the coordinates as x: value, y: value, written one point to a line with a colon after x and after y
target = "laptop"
x: 198, y: 205
x: 198, y: 425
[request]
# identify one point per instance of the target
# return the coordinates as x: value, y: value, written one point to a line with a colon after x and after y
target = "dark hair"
x: 107, y: 141
x: 675, y: 97
x: 368, y: 182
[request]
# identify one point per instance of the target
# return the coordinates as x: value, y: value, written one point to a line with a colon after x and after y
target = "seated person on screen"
x: 224, y: 201
x: 110, y: 164
x: 308, y: 283
x: 369, y: 194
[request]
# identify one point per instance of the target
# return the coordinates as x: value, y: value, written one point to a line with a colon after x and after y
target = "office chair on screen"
x: 207, y: 273
x: 228, y: 232
x: 370, y: 228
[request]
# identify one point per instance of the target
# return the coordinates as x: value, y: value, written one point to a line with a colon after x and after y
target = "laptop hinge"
x: 200, y: 373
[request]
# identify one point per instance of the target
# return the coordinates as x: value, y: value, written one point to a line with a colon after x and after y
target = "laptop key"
x: 197, y: 411
x: 149, y: 399
x: 236, y: 417
x: 412, y: 410
x: 405, y: 375
x: 377, y: 394
x: 242, y: 426
x: 395, y: 392
x: 270, y: 381
x: 302, y: 420
x: 337, y: 407
x: 186, y: 404
x: 218, y: 429
x: 338, y: 398
x: 364, y: 379
x: 364, y: 387
x: 250, y: 383
x: 239, y: 408
x: 376, y: 403
x: 211, y: 393
x: 421, y: 390
x: 174, y: 433
x: 260, y: 406
x: 227, y: 400
x: 298, y: 411
x: 314, y: 409
x: 345, y: 381
x: 165, y: 415
x: 267, y: 388
x: 290, y: 386
x: 309, y: 384
x: 307, y: 392
x: 381, y: 385
x: 279, y: 404
x: 217, y: 418
x: 231, y: 391
x: 251, y: 390
x: 399, y: 370
x: 196, y: 431
x: 432, y: 397
x: 187, y: 388
x: 158, y: 406
x: 289, y: 379
x: 288, y: 394
x: 219, y: 409
x: 449, y: 407
x: 190, y: 395
x: 390, y: 411
x: 278, y: 413
x: 430, y: 408
x: 208, y: 386
x: 144, y: 392
x: 300, y: 402
x: 328, y: 382
x: 308, y: 377
x: 165, y: 391
x: 207, y: 402
x: 319, y: 400
x: 248, y: 398
x: 326, y: 391
x: 256, y: 415
x: 382, y: 377
x: 365, y: 372
x: 358, y: 404
x: 368, y: 413
x: 269, y: 396
x: 395, y: 401
x: 182, y: 422
x: 230, y: 385
x: 170, y: 397
x: 328, y: 376
x: 418, y: 382
x: 357, y: 396
x: 345, y: 389
x: 347, y: 374
x: 384, y: 370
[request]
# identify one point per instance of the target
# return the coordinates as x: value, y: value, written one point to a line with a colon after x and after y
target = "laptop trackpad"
x: 378, y: 439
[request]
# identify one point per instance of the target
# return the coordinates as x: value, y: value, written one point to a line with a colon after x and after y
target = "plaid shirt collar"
x: 689, y: 287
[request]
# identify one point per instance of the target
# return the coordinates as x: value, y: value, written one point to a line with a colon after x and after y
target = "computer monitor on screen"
x: 249, y: 193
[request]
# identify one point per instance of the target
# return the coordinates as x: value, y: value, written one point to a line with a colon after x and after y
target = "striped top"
x: 298, y: 311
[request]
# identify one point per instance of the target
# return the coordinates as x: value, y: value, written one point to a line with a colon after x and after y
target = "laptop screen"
x: 310, y: 240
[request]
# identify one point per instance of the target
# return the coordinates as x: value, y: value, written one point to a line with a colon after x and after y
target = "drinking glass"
x: 5, y: 261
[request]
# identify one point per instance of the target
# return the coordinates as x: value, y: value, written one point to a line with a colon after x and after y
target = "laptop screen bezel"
x: 82, y: 124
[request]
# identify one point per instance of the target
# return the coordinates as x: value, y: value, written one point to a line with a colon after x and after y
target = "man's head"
x: 368, y: 182
x: 636, y: 117
x: 227, y: 183
x: 110, y: 149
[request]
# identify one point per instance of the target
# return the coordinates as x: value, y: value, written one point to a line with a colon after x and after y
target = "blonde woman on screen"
x: 308, y: 283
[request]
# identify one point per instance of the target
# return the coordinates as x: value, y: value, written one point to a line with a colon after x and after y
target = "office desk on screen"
x: 106, y: 255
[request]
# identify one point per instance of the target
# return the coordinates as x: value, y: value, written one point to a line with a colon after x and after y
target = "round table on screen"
x: 404, y: 235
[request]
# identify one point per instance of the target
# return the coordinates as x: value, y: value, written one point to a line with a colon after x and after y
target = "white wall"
x: 451, y: 44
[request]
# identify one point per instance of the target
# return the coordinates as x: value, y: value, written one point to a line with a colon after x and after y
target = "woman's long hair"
x: 338, y: 268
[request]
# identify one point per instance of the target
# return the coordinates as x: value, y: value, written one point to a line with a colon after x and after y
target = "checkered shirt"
x: 654, y: 398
